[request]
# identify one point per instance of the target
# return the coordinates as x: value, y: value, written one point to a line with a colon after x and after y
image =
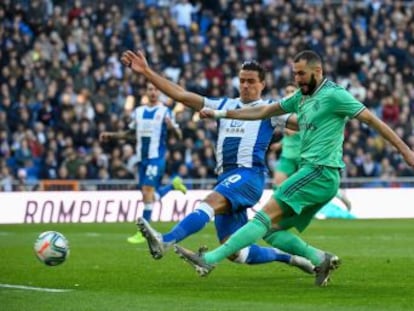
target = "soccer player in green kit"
x: 289, y: 163
x: 322, y: 109
x: 289, y: 158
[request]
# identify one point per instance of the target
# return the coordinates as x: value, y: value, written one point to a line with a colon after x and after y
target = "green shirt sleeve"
x: 291, y: 103
x: 346, y: 105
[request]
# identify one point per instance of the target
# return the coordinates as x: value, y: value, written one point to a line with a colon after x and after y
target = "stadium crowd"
x: 62, y: 83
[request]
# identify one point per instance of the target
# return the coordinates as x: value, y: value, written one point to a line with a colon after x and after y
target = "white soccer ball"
x: 52, y: 248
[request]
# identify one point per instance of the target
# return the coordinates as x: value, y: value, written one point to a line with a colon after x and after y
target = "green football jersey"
x: 322, y: 117
x: 291, y: 146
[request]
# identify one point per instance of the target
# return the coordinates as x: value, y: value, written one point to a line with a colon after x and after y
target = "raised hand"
x: 135, y: 60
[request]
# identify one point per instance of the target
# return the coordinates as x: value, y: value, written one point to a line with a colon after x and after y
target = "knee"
x: 147, y: 190
x: 148, y: 193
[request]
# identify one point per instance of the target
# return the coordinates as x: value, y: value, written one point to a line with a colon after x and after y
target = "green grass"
x: 104, y: 272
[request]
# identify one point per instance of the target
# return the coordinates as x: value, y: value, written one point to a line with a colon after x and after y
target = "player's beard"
x: 310, y: 86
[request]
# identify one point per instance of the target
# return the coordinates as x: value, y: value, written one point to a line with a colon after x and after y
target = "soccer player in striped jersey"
x: 322, y: 107
x: 149, y: 125
x: 241, y: 166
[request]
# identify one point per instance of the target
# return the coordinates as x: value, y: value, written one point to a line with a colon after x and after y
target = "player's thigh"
x: 242, y: 187
x: 218, y: 202
x: 151, y: 172
x: 304, y: 193
x: 287, y: 166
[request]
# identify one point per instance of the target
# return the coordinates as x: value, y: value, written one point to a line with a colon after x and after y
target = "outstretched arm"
x: 107, y: 136
x: 367, y: 117
x: 251, y: 113
x: 289, y: 121
x: 138, y: 63
x: 256, y: 113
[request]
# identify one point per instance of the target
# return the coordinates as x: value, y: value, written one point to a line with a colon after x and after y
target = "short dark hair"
x: 309, y: 56
x: 253, y: 65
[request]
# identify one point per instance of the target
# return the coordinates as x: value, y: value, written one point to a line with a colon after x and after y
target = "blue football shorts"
x: 151, y: 172
x: 243, y: 187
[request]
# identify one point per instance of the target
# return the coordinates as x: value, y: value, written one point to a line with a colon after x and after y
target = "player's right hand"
x: 206, y: 113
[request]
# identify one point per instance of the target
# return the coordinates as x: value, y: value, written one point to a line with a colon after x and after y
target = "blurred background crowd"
x: 61, y: 81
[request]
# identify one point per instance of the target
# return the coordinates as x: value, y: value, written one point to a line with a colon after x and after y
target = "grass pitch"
x: 104, y: 272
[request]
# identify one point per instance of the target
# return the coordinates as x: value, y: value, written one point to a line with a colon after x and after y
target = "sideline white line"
x: 39, y: 289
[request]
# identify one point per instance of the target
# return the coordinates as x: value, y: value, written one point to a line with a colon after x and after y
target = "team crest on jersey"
x: 301, y: 103
x: 236, y: 123
x: 235, y: 128
x: 316, y: 105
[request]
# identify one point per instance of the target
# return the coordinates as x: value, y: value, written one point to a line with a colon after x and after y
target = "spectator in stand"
x: 129, y: 158
x: 182, y: 11
x: 73, y: 160
x: 5, y: 149
x: 6, y: 179
x: 390, y: 110
x: 49, y: 166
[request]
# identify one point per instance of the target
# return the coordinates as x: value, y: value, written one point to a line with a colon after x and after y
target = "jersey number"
x: 231, y: 180
x: 151, y: 171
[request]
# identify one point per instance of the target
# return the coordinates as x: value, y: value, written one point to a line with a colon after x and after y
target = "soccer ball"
x: 52, y: 248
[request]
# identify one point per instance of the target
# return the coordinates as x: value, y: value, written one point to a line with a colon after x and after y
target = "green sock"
x: 292, y: 244
x: 245, y: 236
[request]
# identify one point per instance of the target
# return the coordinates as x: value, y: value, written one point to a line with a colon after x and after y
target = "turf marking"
x: 39, y: 289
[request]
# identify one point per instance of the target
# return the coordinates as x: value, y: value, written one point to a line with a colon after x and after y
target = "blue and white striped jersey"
x: 151, y: 130
x: 241, y: 143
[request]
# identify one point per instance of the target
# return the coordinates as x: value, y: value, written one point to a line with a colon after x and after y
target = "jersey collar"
x: 319, y: 87
x: 252, y: 103
x: 153, y: 107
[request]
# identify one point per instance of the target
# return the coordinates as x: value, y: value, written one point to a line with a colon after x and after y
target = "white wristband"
x: 219, y: 114
x: 282, y: 119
